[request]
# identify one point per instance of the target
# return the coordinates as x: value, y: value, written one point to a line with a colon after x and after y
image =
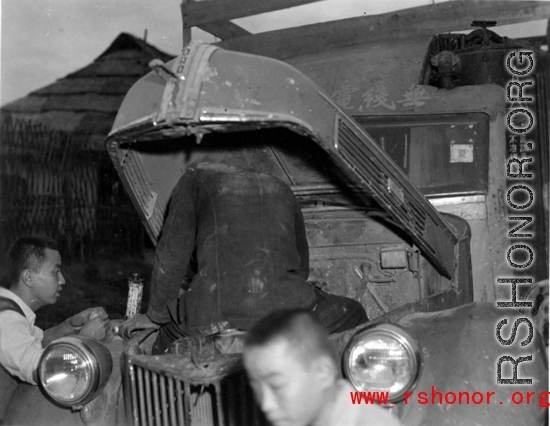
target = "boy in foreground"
x: 290, y: 362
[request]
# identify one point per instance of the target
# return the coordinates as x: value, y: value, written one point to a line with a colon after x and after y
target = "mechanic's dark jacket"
x: 251, y: 250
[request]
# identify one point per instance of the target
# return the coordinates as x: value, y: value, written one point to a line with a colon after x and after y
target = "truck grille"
x: 171, y: 390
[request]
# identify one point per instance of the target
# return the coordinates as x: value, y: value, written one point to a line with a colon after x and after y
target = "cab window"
x: 442, y: 155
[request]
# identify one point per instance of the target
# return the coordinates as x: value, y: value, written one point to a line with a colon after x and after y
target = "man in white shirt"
x: 35, y: 280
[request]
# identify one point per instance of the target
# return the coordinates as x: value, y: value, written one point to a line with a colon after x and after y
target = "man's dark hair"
x: 296, y: 326
x: 27, y: 253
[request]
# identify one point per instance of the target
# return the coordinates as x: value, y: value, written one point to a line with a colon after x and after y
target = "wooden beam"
x: 397, y: 25
x: 197, y: 13
x: 186, y: 33
x: 535, y: 40
x: 224, y: 29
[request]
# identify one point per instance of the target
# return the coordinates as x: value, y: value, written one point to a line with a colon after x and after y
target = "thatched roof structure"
x: 56, y: 177
x: 85, y: 102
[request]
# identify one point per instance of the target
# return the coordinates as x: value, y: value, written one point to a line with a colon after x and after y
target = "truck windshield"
x: 442, y: 154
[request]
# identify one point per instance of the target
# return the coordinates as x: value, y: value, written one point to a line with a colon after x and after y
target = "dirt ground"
x: 103, y: 282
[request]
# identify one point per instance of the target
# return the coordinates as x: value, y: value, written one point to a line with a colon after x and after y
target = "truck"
x: 400, y: 167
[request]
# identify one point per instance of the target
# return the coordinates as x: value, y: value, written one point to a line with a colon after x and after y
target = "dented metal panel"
x: 219, y: 91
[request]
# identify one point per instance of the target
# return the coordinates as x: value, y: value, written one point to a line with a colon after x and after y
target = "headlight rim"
x: 400, y: 335
x: 96, y: 355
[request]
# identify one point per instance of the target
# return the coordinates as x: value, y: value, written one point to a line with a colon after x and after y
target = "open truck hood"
x: 208, y: 89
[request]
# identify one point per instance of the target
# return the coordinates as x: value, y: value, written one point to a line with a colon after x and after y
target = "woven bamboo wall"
x: 53, y: 186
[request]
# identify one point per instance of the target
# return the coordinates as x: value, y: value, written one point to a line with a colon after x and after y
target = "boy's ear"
x: 326, y: 371
x: 26, y: 277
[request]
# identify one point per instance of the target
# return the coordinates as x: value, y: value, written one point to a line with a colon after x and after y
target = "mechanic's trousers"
x: 335, y: 313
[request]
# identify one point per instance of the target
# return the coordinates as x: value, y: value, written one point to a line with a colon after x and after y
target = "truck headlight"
x: 383, y: 358
x: 74, y: 369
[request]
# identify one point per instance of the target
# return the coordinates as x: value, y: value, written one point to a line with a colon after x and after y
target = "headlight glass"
x: 66, y: 373
x: 74, y: 369
x: 383, y: 358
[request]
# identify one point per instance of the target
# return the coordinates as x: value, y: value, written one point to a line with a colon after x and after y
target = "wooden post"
x: 186, y: 31
x: 548, y: 34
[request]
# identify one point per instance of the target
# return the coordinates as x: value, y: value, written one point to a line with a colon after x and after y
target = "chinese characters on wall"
x: 378, y: 96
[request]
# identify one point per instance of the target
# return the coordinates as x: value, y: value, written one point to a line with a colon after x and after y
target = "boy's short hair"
x: 27, y: 253
x: 295, y: 326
